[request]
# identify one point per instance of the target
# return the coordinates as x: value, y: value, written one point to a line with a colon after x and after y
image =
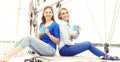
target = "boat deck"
x: 86, y: 56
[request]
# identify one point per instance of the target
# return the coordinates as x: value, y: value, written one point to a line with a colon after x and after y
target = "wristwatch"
x: 50, y: 35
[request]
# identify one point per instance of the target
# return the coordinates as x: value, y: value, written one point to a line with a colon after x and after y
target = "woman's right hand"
x: 47, y: 32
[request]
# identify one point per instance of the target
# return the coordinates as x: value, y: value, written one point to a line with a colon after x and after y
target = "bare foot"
x: 3, y: 60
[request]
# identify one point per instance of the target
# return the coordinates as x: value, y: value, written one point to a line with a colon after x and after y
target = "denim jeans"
x: 70, y: 50
x: 37, y: 45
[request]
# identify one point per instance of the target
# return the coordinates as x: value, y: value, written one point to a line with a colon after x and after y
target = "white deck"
x: 83, y: 57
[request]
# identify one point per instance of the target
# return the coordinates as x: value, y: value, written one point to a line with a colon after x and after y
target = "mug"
x: 42, y: 30
x: 75, y: 27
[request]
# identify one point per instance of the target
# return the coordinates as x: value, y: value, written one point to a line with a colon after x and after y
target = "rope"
x: 113, y: 22
x: 93, y: 20
x: 51, y: 5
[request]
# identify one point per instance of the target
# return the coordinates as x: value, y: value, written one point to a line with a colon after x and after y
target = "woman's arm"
x: 76, y: 33
x: 53, y: 38
x: 38, y: 33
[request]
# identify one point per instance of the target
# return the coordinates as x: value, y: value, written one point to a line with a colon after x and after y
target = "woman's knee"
x: 25, y: 40
x: 89, y: 43
x: 28, y: 38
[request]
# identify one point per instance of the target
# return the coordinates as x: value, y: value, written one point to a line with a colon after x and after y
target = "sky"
x: 95, y: 17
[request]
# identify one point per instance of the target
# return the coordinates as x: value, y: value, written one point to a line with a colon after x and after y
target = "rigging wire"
x: 93, y: 20
x: 114, y: 20
x: 18, y: 16
x: 105, y: 44
x: 105, y: 19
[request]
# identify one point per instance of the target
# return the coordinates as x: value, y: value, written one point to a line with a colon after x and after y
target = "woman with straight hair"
x: 47, y: 38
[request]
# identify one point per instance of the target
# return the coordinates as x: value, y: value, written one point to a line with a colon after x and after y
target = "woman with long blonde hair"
x: 66, y: 45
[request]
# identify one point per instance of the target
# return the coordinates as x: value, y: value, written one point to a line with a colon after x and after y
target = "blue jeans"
x: 37, y: 45
x: 71, y: 50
